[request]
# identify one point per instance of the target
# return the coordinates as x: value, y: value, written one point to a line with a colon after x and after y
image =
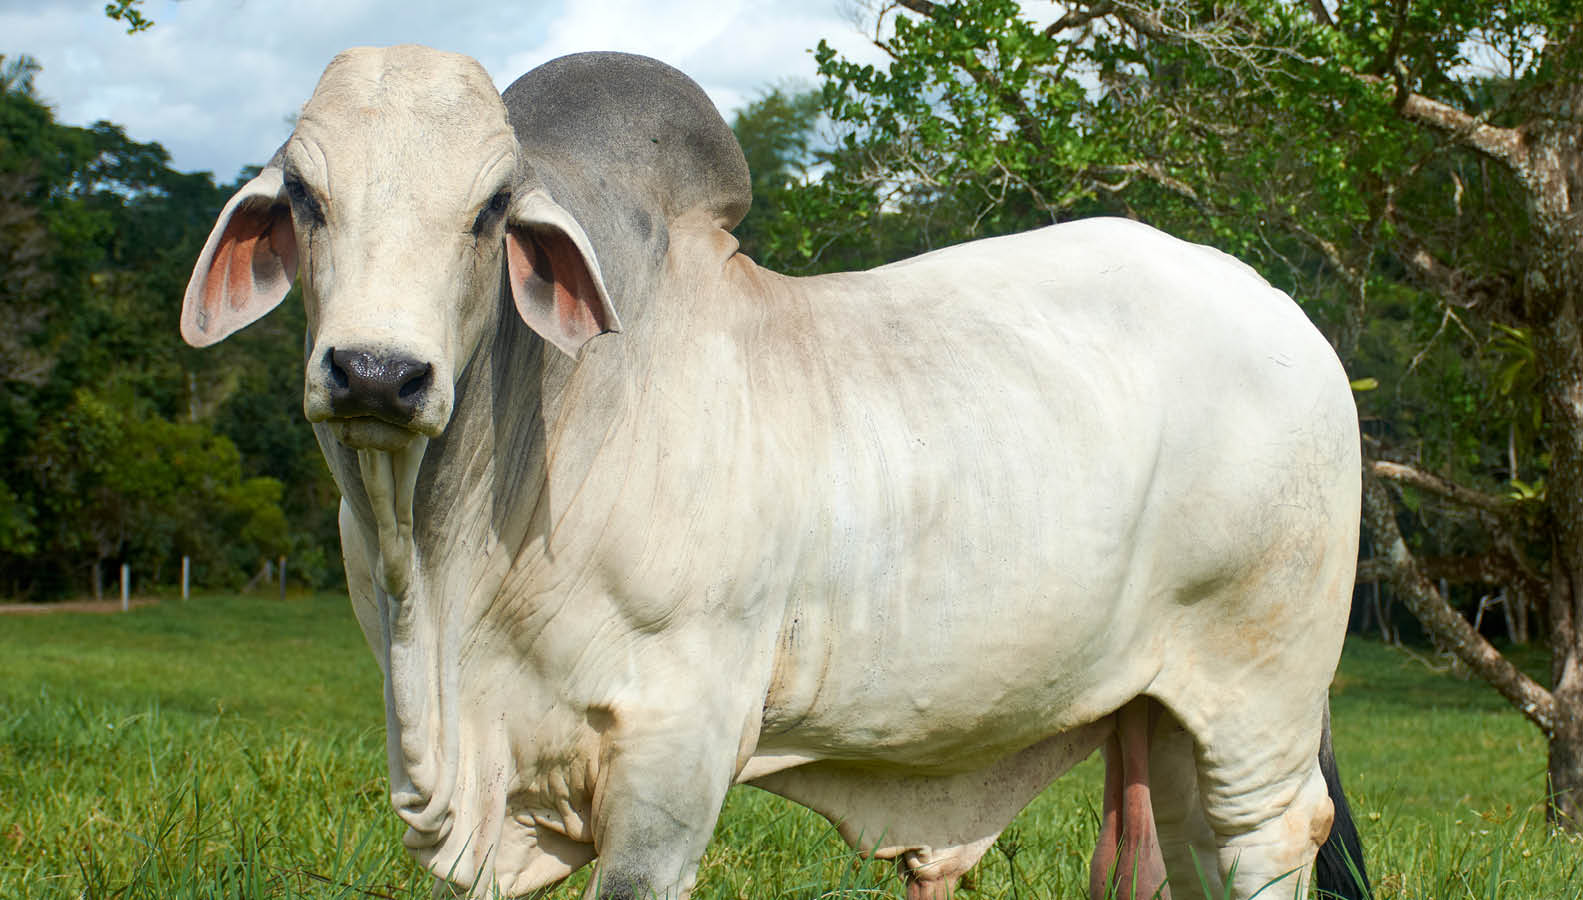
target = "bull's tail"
x: 1339, y: 872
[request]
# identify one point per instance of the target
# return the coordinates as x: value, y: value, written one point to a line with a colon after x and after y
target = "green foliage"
x: 127, y: 11
x: 127, y: 445
x: 967, y: 133
x: 776, y: 132
x: 16, y: 523
x: 108, y: 477
x: 792, y: 226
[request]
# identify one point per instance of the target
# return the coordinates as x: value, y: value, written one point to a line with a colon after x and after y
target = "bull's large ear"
x: 555, y: 279
x: 247, y: 265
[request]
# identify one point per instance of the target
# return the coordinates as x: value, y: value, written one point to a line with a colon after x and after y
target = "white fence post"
x: 126, y: 587
x: 186, y: 573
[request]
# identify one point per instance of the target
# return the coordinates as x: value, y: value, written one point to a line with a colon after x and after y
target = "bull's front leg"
x: 656, y: 801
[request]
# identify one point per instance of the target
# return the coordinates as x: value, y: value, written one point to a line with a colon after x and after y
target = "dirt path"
x: 74, y: 606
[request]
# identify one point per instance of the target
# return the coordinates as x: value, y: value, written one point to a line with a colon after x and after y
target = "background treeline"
x: 120, y: 443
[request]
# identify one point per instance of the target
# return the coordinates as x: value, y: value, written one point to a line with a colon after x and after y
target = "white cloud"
x: 215, y: 80
x: 670, y: 32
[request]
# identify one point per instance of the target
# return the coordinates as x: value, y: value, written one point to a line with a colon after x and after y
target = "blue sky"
x: 215, y: 81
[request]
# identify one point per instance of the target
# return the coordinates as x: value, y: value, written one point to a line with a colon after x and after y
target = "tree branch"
x: 1142, y: 22
x: 1504, y: 145
x: 1442, y: 487
x: 1321, y: 14
x: 1447, y: 626
x: 1445, y: 280
x: 1155, y: 173
x: 1077, y: 18
x: 1349, y: 273
x: 1497, y: 569
x: 1393, y: 52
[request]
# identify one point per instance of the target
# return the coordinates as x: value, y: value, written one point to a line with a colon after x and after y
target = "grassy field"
x: 232, y: 747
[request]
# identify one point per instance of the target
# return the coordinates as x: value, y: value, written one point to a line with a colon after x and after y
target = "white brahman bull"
x: 628, y: 519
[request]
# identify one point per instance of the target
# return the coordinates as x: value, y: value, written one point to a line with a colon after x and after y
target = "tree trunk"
x: 1559, y: 354
x: 1552, y: 296
x: 1565, y: 768
x: 1517, y: 613
x: 1549, y: 163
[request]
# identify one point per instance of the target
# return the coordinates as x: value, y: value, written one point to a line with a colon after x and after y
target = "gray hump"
x: 630, y: 118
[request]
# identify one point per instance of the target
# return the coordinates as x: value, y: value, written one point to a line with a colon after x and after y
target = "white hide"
x: 894, y: 544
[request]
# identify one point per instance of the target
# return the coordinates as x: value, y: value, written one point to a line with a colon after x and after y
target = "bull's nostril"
x: 338, y: 379
x: 417, y: 383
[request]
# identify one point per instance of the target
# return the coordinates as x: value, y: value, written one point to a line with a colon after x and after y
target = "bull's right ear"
x: 247, y: 265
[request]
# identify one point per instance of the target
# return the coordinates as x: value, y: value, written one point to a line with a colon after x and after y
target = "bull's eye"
x: 303, y: 201
x: 496, y: 209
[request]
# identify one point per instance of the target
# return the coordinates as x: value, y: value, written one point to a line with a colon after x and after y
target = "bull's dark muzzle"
x: 390, y: 388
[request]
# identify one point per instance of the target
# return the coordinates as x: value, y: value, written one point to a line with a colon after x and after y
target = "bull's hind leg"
x: 1275, y: 851
x: 1127, y: 863
x: 1263, y: 796
x: 1187, y: 843
x: 1248, y: 680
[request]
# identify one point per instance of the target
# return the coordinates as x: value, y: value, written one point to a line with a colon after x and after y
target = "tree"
x: 121, y: 485
x: 777, y: 133
x: 1412, y: 172
x: 803, y: 220
x: 130, y: 445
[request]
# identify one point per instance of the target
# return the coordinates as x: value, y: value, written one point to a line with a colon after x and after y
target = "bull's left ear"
x: 555, y: 279
x: 247, y: 265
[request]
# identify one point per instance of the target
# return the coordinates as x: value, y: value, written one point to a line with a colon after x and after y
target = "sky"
x: 216, y: 81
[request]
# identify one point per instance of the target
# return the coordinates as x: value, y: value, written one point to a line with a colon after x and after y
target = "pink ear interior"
x: 247, y: 273
x: 256, y: 251
x: 552, y: 287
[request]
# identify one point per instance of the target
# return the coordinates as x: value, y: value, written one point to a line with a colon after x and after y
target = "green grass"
x: 232, y: 747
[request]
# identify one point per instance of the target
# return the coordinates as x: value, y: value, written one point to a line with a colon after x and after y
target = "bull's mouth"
x: 369, y: 433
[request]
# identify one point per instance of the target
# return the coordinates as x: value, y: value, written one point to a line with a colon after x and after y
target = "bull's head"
x: 396, y: 199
